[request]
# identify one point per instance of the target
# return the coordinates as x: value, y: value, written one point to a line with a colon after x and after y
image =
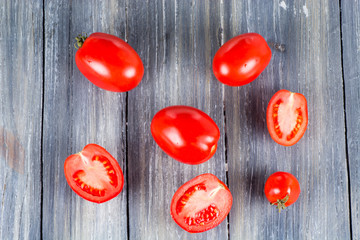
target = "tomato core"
x: 204, y: 213
x: 100, y: 169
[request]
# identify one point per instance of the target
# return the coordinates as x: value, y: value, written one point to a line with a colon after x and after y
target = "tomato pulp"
x: 94, y: 174
x: 109, y: 62
x: 287, y: 117
x: 185, y: 133
x: 282, y: 189
x: 201, y: 203
x: 241, y: 59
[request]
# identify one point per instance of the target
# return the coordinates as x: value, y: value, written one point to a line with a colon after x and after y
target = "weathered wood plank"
x: 21, y: 85
x: 350, y: 12
x: 311, y: 65
x: 176, y: 41
x: 78, y: 113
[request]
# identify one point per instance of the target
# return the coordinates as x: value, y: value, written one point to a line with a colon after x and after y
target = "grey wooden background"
x: 48, y: 111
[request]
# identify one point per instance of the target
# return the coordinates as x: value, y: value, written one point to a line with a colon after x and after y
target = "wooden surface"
x: 49, y: 110
x: 351, y: 62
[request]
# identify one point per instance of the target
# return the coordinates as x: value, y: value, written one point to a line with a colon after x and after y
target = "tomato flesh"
x: 94, y: 174
x: 109, y: 62
x: 241, y: 59
x: 287, y: 117
x: 201, y: 204
x: 282, y: 188
x: 185, y: 133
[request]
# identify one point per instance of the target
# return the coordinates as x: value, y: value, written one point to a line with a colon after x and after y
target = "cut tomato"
x: 201, y: 203
x: 94, y: 174
x: 287, y: 117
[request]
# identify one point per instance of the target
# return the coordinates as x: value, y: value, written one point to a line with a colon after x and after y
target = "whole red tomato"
x: 241, y: 59
x: 287, y: 117
x: 282, y: 189
x: 94, y: 174
x: 201, y: 203
x: 185, y: 133
x: 109, y: 62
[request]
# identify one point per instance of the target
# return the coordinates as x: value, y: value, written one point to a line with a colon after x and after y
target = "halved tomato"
x: 287, y: 117
x: 94, y: 174
x: 201, y: 203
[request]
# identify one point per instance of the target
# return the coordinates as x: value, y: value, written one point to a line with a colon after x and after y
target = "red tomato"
x: 185, y: 133
x: 109, y: 62
x: 287, y: 117
x: 241, y: 59
x: 282, y: 189
x: 94, y: 174
x: 201, y: 203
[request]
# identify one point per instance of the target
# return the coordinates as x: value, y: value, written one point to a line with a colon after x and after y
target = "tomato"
x: 94, y: 174
x: 109, y: 62
x: 282, y: 189
x: 287, y: 117
x: 201, y: 203
x: 185, y: 133
x: 241, y: 59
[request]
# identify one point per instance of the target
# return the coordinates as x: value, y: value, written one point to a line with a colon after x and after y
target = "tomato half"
x: 185, y: 133
x: 241, y: 59
x: 94, y: 174
x: 282, y: 189
x: 109, y: 62
x: 287, y: 117
x: 201, y: 203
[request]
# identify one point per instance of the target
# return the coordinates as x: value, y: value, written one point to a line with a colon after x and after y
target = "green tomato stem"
x: 280, y: 203
x: 80, y: 39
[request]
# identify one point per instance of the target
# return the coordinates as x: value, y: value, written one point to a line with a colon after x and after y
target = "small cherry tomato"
x: 94, y: 174
x: 109, y: 62
x: 282, y: 189
x: 201, y: 203
x: 241, y: 59
x: 287, y: 117
x: 185, y: 133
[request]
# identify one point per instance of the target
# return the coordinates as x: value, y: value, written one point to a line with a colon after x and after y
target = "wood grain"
x: 21, y: 66
x: 311, y: 65
x: 77, y: 113
x: 176, y: 40
x: 350, y: 12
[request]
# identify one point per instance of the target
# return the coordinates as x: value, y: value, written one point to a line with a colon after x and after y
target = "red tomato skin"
x: 70, y: 166
x: 185, y: 134
x: 280, y: 184
x: 283, y: 93
x: 109, y: 62
x: 241, y: 59
x: 208, y: 179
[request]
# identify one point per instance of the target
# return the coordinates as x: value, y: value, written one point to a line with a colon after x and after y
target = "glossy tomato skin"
x: 201, y: 203
x: 287, y: 117
x: 109, y: 62
x: 94, y: 166
x: 281, y: 184
x: 241, y: 59
x: 185, y: 133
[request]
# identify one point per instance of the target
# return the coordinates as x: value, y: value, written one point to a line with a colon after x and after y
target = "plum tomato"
x: 109, y: 62
x: 201, y: 203
x: 287, y: 117
x: 94, y: 174
x: 282, y: 189
x: 185, y: 134
x: 241, y: 59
